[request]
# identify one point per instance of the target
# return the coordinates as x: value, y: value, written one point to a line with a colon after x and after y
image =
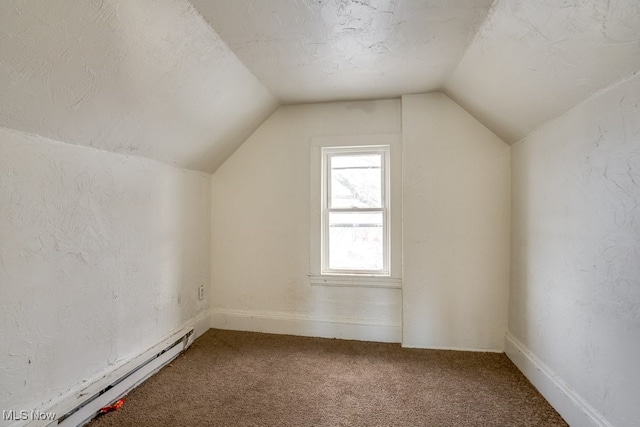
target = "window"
x: 355, y: 211
x: 355, y: 227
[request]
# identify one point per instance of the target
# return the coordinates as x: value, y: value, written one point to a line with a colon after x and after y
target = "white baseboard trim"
x: 571, y: 406
x: 470, y: 349
x: 126, y: 375
x: 304, y: 325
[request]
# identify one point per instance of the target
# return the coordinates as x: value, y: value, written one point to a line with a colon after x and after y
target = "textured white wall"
x: 100, y: 258
x: 261, y: 219
x: 456, y: 227
x: 575, y: 287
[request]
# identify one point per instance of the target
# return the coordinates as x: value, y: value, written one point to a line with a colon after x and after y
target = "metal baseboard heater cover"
x: 90, y: 407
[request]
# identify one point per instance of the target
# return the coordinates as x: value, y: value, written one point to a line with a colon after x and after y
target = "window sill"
x: 355, y: 281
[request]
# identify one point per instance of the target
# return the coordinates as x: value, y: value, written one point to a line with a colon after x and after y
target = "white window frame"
x: 327, y: 154
x: 320, y: 274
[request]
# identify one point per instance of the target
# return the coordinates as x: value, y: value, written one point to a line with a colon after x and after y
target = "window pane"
x: 356, y: 181
x: 356, y: 241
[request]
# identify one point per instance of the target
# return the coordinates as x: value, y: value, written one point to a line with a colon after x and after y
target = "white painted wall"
x: 100, y: 258
x: 456, y: 227
x: 575, y: 286
x: 261, y: 231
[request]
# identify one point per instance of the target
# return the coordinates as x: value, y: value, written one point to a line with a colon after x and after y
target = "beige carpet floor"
x: 229, y: 378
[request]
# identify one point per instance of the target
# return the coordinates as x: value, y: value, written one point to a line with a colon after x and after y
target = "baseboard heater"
x: 89, y: 408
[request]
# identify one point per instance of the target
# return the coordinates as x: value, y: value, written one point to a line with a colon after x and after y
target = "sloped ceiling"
x: 186, y: 82
x: 141, y: 77
x: 534, y: 59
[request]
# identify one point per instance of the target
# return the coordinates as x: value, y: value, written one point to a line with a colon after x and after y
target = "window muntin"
x: 355, y: 220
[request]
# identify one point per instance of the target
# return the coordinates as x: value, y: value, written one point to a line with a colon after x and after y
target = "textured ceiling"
x: 327, y: 50
x: 186, y: 82
x: 534, y: 59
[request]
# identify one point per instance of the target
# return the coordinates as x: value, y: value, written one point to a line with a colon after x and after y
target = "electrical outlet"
x: 201, y: 292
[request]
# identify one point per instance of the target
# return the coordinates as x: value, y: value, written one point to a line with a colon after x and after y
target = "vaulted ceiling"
x: 186, y: 82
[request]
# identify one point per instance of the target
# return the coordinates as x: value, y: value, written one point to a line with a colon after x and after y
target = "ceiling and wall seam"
x: 595, y: 94
x: 344, y: 101
x: 472, y: 40
x: 47, y: 140
x: 213, y: 30
x: 278, y: 100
